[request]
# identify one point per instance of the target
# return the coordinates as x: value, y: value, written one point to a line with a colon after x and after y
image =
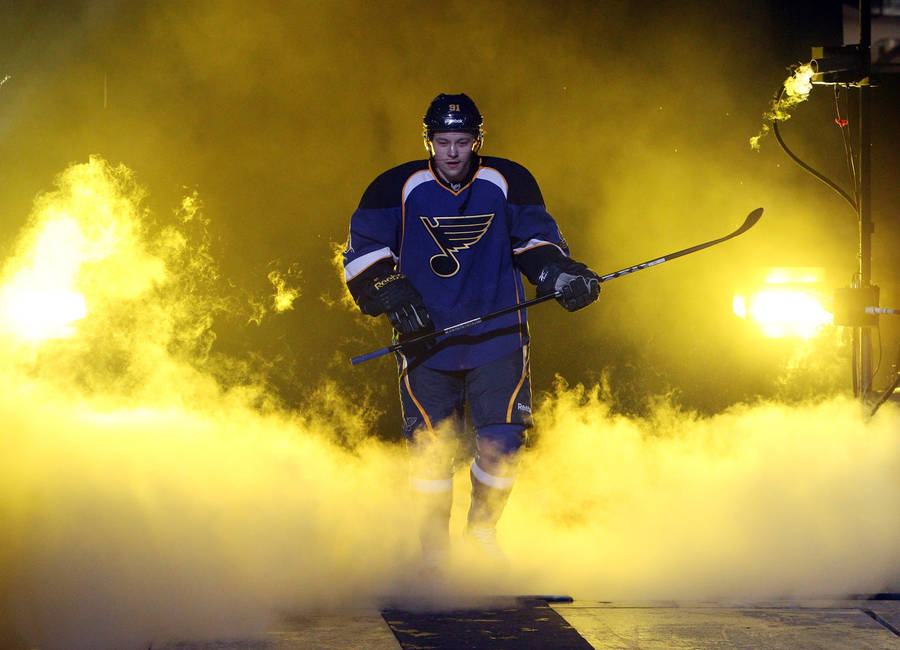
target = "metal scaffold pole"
x: 864, y: 208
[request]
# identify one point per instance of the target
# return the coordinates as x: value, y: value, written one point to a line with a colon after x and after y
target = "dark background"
x: 634, y: 117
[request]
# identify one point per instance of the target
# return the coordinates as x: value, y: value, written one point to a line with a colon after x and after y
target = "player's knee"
x: 501, y: 438
x: 497, y: 445
x: 431, y: 456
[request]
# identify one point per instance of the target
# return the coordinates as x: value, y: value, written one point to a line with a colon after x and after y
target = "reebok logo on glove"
x: 379, y: 284
x: 396, y: 297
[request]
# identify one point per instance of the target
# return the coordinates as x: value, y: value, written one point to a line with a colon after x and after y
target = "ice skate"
x: 483, y: 540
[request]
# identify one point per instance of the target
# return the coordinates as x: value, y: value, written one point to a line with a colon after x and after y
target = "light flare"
x: 34, y: 314
x: 40, y: 301
x: 783, y: 313
x: 786, y: 306
x: 794, y: 275
x: 84, y: 245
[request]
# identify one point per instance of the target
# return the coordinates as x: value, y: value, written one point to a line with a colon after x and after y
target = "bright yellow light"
x: 787, y: 306
x: 794, y: 275
x: 40, y: 301
x: 35, y: 314
x: 784, y: 312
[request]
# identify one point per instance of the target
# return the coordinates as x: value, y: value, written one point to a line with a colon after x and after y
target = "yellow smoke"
x: 281, y: 301
x: 761, y: 501
x: 137, y: 489
x: 43, y: 284
x: 135, y: 486
x: 795, y: 91
x: 285, y: 295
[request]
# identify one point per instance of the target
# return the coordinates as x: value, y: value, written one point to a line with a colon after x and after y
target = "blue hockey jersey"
x: 461, y: 247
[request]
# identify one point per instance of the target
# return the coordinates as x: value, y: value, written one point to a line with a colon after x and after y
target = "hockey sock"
x: 493, y: 472
x: 432, y: 512
x: 489, y: 496
x: 431, y: 469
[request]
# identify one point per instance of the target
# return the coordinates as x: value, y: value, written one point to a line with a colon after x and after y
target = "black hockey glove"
x: 579, y: 285
x: 396, y: 297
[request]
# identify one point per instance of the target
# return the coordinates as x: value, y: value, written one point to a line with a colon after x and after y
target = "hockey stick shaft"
x: 749, y: 222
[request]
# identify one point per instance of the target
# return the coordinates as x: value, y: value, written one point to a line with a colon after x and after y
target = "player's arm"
x: 371, y: 255
x: 539, y: 249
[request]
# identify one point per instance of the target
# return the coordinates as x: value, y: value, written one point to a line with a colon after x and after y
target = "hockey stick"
x: 749, y: 222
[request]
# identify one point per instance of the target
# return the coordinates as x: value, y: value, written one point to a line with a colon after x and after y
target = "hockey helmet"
x: 452, y: 113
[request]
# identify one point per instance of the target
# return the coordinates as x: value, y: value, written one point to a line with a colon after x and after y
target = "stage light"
x: 789, y: 303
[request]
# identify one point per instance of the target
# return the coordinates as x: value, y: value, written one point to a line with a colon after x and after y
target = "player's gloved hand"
x: 579, y: 285
x: 396, y: 297
x: 410, y: 320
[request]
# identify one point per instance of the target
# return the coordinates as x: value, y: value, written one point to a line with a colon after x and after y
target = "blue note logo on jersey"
x: 453, y: 234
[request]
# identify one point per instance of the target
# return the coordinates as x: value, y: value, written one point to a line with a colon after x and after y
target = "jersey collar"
x: 456, y: 188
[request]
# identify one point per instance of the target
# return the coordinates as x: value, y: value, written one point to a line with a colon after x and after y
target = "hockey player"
x: 438, y: 241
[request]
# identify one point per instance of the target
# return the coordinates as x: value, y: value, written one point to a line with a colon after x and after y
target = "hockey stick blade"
x: 749, y: 222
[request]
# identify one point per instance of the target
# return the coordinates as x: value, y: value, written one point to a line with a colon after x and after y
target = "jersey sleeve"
x: 373, y: 238
x: 375, y: 230
x: 535, y: 236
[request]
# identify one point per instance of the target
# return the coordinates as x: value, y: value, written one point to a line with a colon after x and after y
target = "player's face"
x: 453, y: 154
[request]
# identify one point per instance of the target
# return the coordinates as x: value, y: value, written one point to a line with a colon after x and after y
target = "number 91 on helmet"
x: 452, y: 113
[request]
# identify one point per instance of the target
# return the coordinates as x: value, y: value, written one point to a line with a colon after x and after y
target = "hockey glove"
x: 396, y: 297
x: 579, y: 285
